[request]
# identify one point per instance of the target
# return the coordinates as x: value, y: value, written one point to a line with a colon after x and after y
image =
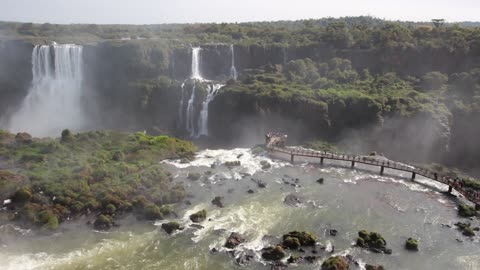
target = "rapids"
x: 348, y: 201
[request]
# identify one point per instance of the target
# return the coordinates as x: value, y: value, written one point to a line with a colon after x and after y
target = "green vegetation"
x: 296, y: 239
x: 50, y: 180
x: 171, y: 227
x: 199, y: 216
x: 411, y: 244
x: 466, y: 228
x: 374, y: 267
x: 373, y: 241
x: 466, y: 211
x: 335, y: 263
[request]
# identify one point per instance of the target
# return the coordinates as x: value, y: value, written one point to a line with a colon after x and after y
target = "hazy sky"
x: 182, y: 11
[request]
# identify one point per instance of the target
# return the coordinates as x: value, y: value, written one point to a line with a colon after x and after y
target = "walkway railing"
x: 469, y: 194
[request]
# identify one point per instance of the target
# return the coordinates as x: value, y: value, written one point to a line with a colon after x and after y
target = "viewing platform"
x: 277, y: 143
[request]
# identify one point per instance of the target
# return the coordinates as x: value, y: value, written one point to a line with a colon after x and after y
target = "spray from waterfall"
x: 233, y: 70
x: 53, y: 102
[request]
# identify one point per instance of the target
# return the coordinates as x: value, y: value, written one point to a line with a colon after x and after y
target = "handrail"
x: 473, y: 196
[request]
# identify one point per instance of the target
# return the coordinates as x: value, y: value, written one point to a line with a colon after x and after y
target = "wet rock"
x: 213, y: 165
x: 265, y: 165
x: 199, y: 216
x: 187, y: 202
x: 171, y: 227
x: 411, y: 244
x: 291, y: 243
x: 303, y: 238
x: 234, y: 240
x: 301, y: 250
x: 294, y: 259
x: 311, y: 259
x: 245, y: 258
x: 335, y: 263
x: 218, y: 201
x: 465, y: 228
x: 197, y: 226
x: 214, y: 250
x: 372, y: 241
x: 292, y: 200
x: 250, y: 191
x: 332, y: 232
x: 320, y: 180
x: 230, y: 190
x: 273, y: 253
x: 239, y: 155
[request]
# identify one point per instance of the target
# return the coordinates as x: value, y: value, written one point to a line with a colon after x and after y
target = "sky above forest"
x: 203, y: 11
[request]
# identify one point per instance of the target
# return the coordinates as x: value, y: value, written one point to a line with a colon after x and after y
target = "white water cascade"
x: 203, y: 121
x: 200, y: 128
x: 233, y: 70
x: 53, y: 102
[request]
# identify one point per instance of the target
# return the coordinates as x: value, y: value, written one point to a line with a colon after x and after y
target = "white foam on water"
x: 249, y: 163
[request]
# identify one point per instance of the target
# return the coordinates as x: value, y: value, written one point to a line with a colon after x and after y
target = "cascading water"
x: 197, y: 129
x: 53, y: 102
x: 203, y: 121
x: 233, y: 70
x: 190, y: 113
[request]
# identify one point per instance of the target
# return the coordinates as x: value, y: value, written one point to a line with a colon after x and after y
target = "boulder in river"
x: 199, y: 216
x: 273, y: 253
x: 171, y: 227
x: 332, y: 232
x: 293, y: 200
x: 466, y: 211
x: 234, y: 240
x: 265, y: 165
x: 335, y: 263
x: 320, y: 180
x: 372, y: 241
x: 292, y: 239
x: 411, y: 244
x: 218, y: 201
x: 193, y: 176
x: 231, y: 164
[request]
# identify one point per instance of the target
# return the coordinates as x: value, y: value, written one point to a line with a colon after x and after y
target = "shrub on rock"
x: 335, y: 263
x: 218, y: 201
x: 304, y: 238
x: 373, y: 241
x: 199, y: 216
x: 22, y: 195
x: 411, y: 244
x: 152, y: 212
x: 171, y: 227
x: 103, y: 222
x: 291, y: 242
x: 466, y: 211
x: 374, y: 267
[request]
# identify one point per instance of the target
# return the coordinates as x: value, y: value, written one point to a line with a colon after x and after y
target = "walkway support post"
x: 413, y: 176
x: 321, y: 160
x: 353, y: 163
x: 450, y: 188
x: 381, y: 170
x: 477, y: 206
x: 292, y: 157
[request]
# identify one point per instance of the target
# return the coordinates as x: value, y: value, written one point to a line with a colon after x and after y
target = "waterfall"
x: 195, y: 76
x: 233, y: 70
x: 203, y: 121
x: 196, y: 64
x: 53, y: 102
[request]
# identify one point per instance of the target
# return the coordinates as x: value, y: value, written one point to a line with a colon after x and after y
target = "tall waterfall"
x: 203, y: 121
x: 233, y: 70
x: 190, y: 113
x: 53, y: 102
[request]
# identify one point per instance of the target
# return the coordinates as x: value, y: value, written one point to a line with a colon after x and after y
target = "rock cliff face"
x: 138, y: 85
x: 15, y: 74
